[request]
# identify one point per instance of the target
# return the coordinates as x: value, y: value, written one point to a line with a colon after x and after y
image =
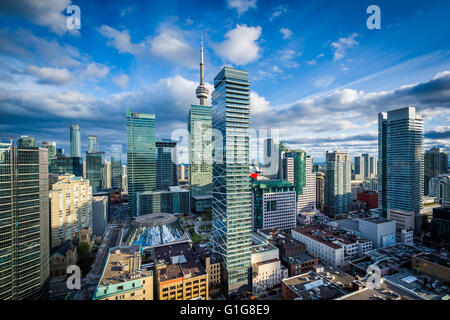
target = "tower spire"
x: 202, y: 91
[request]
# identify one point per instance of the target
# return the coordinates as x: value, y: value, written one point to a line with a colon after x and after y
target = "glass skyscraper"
x: 200, y: 144
x: 141, y: 156
x: 24, y: 221
x: 116, y: 166
x: 94, y: 169
x: 401, y: 157
x: 75, y: 141
x: 337, y: 189
x: 435, y: 163
x: 166, y: 164
x: 92, y: 144
x: 231, y: 203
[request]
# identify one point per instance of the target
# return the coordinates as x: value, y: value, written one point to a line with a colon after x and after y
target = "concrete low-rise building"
x: 123, y: 277
x: 267, y: 270
x: 335, y: 248
x: 380, y: 231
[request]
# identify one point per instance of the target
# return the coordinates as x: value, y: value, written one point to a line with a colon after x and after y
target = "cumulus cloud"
x: 121, y: 40
x: 286, y: 33
x: 51, y: 75
x: 241, y: 6
x: 121, y: 80
x: 240, y: 45
x: 169, y: 44
x: 96, y: 71
x: 341, y: 46
x: 47, y: 13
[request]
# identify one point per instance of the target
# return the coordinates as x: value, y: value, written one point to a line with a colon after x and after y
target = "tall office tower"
x: 107, y: 174
x: 382, y: 163
x: 231, y: 203
x: 296, y: 168
x: 70, y: 208
x: 359, y: 168
x: 166, y: 164
x: 27, y: 142
x: 337, y: 191
x: 435, y: 163
x: 116, y: 166
x: 24, y: 222
x: 94, y: 169
x: 84, y: 170
x: 271, y: 161
x: 373, y: 167
x: 200, y: 143
x: 141, y: 156
x: 400, y: 153
x: 92, y: 144
x: 75, y: 141
x: 124, y: 178
x: 51, y: 146
x: 320, y: 176
x: 61, y: 164
x: 366, y: 160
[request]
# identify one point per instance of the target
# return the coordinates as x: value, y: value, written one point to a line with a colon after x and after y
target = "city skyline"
x: 301, y: 82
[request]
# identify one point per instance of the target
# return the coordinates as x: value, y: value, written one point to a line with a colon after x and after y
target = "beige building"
x: 107, y: 175
x: 179, y: 274
x: 70, y: 208
x: 211, y: 267
x: 124, y: 278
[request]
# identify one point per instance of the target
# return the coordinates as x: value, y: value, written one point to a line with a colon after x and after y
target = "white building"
x: 307, y: 200
x: 380, y: 231
x: 404, y: 220
x: 267, y: 270
x: 440, y: 189
x: 330, y: 247
x: 307, y: 218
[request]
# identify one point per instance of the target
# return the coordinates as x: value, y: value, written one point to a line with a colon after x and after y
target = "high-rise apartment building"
x: 51, y: 146
x: 337, y: 191
x: 124, y: 178
x: 200, y: 143
x: 70, y: 208
x: 373, y: 162
x: 366, y: 161
x: 94, y: 169
x: 359, y: 168
x: 116, y: 166
x: 75, y: 141
x: 320, y: 177
x: 141, y: 156
x: 435, y: 163
x: 92, y: 144
x: 401, y: 160
x: 166, y: 164
x: 107, y: 175
x: 271, y: 161
x: 231, y: 203
x: 296, y: 167
x: 24, y: 222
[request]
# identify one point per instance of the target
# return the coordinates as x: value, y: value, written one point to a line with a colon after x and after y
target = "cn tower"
x: 202, y: 91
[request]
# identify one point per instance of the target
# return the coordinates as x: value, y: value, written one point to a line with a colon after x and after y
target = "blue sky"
x: 317, y: 73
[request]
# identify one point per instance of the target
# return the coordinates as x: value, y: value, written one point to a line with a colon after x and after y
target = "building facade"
x: 75, y: 141
x: 401, y: 157
x: 166, y: 164
x: 231, y: 203
x: 92, y: 144
x: 174, y: 200
x: 24, y: 223
x: 141, y: 156
x: 435, y: 163
x: 95, y: 162
x: 337, y: 191
x: 116, y: 166
x: 70, y: 208
x: 273, y: 205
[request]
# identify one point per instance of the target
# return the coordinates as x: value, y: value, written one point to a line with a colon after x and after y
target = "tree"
x: 83, y: 249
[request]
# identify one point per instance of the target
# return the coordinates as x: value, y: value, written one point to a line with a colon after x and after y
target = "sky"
x: 318, y: 75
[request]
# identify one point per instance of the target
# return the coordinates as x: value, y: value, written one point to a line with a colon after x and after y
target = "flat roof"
x: 154, y: 219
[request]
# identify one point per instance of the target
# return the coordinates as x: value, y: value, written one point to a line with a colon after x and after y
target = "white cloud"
x: 278, y: 12
x: 323, y: 82
x: 170, y: 45
x: 341, y: 46
x: 121, y: 80
x: 121, y: 41
x: 50, y: 75
x: 48, y: 13
x: 258, y: 104
x: 240, y: 45
x: 287, y: 57
x: 96, y: 71
x: 286, y: 33
x: 241, y: 6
